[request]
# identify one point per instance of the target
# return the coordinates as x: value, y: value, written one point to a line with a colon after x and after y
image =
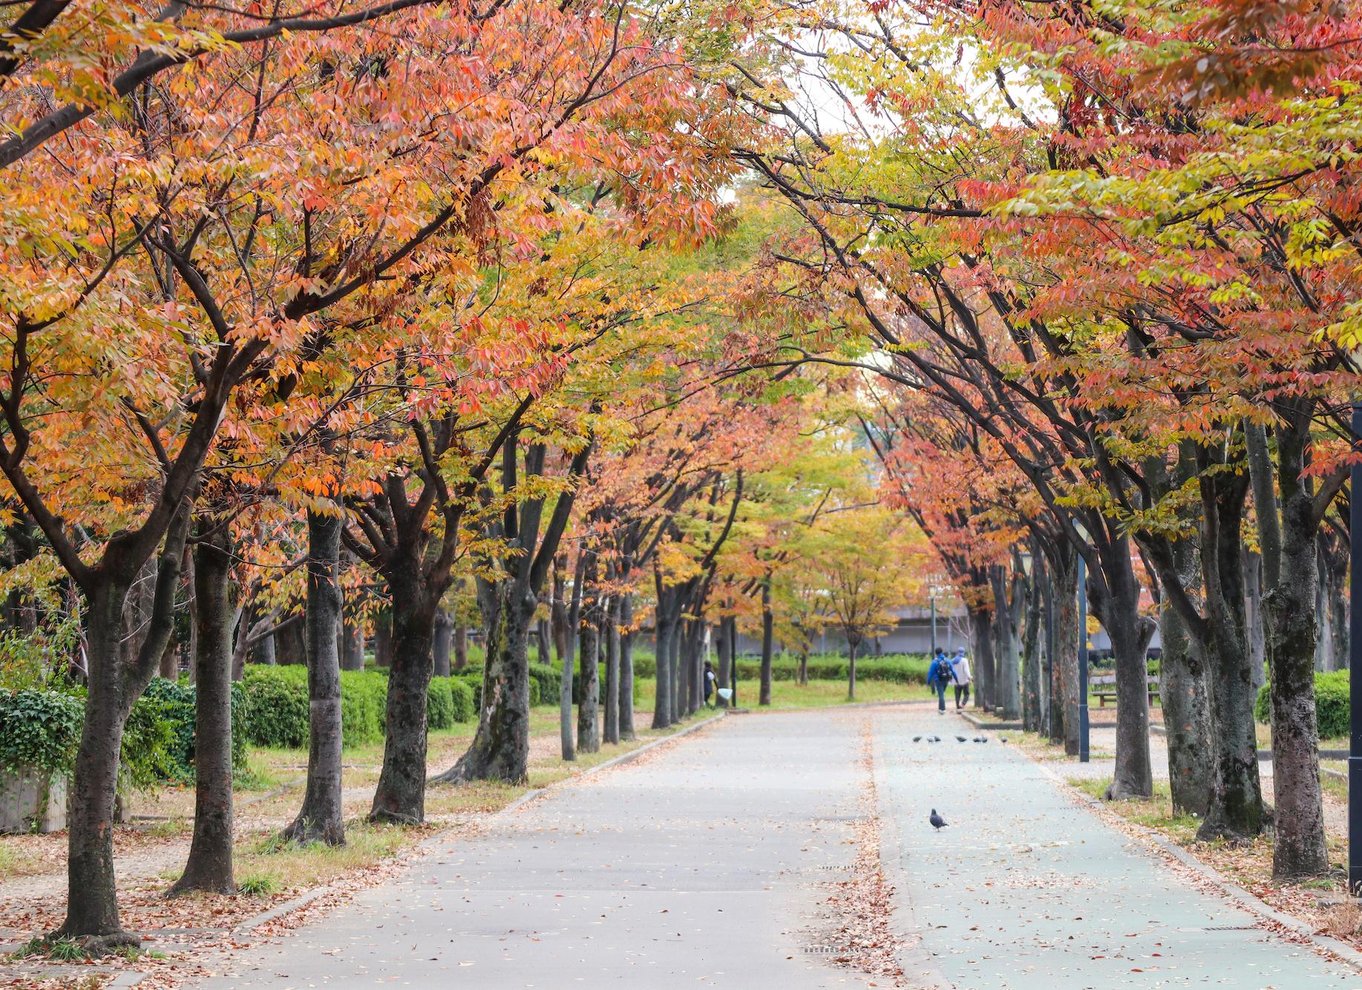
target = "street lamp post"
x: 933, y: 604
x: 1355, y: 661
x: 1082, y: 659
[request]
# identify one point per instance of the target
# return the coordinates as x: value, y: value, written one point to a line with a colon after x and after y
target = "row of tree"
x: 1098, y: 263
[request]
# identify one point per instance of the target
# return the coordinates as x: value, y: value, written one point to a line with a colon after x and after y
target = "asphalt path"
x: 710, y: 862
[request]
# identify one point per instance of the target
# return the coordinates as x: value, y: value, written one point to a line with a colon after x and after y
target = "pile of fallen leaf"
x: 861, y: 904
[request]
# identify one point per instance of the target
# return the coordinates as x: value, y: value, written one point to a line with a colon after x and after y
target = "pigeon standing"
x: 917, y: 739
x: 961, y: 739
x: 937, y: 821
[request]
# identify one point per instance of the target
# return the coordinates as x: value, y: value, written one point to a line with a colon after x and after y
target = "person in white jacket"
x: 960, y: 674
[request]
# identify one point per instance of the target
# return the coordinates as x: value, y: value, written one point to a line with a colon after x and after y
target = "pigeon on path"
x: 961, y: 739
x: 980, y: 739
x: 917, y: 739
x: 937, y: 821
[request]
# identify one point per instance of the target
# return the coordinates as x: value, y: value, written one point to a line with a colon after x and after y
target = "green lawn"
x: 815, y: 694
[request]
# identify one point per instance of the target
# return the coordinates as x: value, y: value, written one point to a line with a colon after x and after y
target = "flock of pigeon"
x: 936, y: 821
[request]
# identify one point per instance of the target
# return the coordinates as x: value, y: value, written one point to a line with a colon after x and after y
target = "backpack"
x: 941, y: 670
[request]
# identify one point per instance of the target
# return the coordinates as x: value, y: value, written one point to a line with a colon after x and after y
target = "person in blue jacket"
x: 938, y: 676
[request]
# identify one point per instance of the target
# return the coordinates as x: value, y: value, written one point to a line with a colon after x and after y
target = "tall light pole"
x: 933, y: 603
x: 1082, y: 656
x: 1355, y: 653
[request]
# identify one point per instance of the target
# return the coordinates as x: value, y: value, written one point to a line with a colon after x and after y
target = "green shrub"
x: 439, y: 704
x: 472, y: 678
x: 462, y: 699
x: 174, y: 703
x: 39, y: 730
x: 1333, y: 711
x: 278, y: 705
x: 550, y: 681
x: 364, y: 703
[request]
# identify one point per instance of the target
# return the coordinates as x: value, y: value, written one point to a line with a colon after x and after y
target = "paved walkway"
x: 704, y: 863
x: 1027, y: 890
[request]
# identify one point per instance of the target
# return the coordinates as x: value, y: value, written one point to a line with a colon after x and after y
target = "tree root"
x: 305, y: 830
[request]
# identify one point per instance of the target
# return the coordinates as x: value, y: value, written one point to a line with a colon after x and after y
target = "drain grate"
x: 1231, y: 928
x: 827, y: 950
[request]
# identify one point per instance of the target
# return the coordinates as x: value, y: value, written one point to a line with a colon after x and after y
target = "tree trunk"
x: 1031, y: 696
x: 542, y: 642
x: 1064, y: 670
x: 442, y: 644
x: 852, y: 641
x: 725, y: 656
x: 460, y: 646
x: 675, y: 665
x: 401, y: 793
x: 768, y: 624
x: 626, y: 621
x: 612, y: 670
x: 92, y: 900
x: 1186, y: 706
x: 1333, y: 569
x: 1236, y: 808
x: 981, y: 633
x: 588, y: 711
x: 111, y: 689
x: 501, y: 748
x: 321, y: 817
x: 383, y: 639
x: 209, y: 867
x: 1253, y: 617
x: 1007, y: 693
x: 664, y: 631
x: 1290, y: 626
x: 352, y: 646
x: 265, y: 652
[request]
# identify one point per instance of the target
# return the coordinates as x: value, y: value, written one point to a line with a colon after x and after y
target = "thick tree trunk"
x: 541, y: 642
x: 664, y: 631
x: 265, y: 651
x: 1007, y: 689
x: 1289, y: 609
x: 1186, y: 705
x: 626, y: 700
x: 501, y: 748
x: 442, y: 643
x: 1130, y: 634
x: 92, y: 899
x: 1236, y: 808
x: 1032, y: 680
x: 1064, y: 670
x: 321, y: 817
x: 1333, y: 616
x: 401, y: 793
x: 209, y: 867
x: 588, y: 710
x: 675, y: 664
x: 981, y: 634
x: 768, y: 625
x: 612, y: 671
x: 112, y: 687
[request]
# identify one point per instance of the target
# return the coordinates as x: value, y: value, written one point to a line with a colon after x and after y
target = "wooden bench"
x: 1104, y: 686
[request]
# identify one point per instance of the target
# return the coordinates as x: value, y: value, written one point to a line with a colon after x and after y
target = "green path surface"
x: 706, y: 863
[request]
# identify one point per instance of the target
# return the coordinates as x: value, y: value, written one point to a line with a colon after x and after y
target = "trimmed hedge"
x: 546, y: 683
x: 784, y: 667
x: 278, y: 705
x: 1332, y: 708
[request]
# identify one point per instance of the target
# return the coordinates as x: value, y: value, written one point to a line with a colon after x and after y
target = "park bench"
x: 1104, y: 687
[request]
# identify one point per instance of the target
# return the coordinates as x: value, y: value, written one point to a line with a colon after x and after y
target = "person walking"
x: 710, y: 679
x: 938, y: 676
x: 960, y: 675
